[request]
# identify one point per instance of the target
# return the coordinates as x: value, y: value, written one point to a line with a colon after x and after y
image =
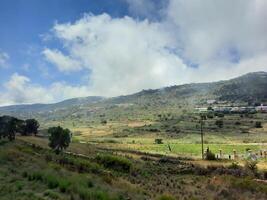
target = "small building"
x: 211, y: 101
x: 222, y: 109
x: 201, y: 110
x: 261, y: 108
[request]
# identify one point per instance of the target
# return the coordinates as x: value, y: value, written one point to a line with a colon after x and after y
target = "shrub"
x: 114, y: 162
x: 51, y: 181
x: 90, y: 184
x: 251, y: 165
x: 63, y: 185
x: 210, y: 156
x: 37, y: 176
x: 19, y: 185
x: 219, y: 123
x: 85, y: 194
x: 51, y: 194
x: 258, y: 124
x: 210, y: 115
x: 234, y: 165
x: 166, y: 197
x: 265, y: 175
x: 221, y: 115
x: 158, y: 141
x: 104, y: 122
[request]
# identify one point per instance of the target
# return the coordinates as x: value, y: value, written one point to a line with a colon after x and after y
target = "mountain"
x: 55, y: 106
x: 249, y: 88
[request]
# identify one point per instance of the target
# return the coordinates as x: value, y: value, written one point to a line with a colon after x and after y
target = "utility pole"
x: 202, y: 117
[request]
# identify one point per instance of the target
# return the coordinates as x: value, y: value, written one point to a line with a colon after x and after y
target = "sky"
x: 58, y: 49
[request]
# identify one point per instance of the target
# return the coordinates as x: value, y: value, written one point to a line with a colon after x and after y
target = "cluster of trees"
x: 10, y: 126
x: 59, y: 138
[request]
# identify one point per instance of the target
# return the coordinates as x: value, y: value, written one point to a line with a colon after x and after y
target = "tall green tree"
x: 9, y: 126
x: 59, y: 138
x: 12, y: 126
x: 32, y: 126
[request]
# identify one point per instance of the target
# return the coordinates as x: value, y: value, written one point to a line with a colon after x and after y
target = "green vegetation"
x: 10, y: 126
x: 114, y: 162
x: 38, y: 173
x: 141, y: 146
x: 59, y: 138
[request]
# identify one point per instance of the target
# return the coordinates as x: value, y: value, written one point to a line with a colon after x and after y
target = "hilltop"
x: 248, y: 89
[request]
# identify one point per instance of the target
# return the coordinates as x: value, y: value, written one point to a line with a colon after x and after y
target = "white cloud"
x: 64, y: 63
x: 205, y: 29
x: 123, y: 55
x: 4, y: 57
x: 19, y: 89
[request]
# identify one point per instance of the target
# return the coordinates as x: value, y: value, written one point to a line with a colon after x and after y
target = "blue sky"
x: 57, y: 49
x: 25, y: 21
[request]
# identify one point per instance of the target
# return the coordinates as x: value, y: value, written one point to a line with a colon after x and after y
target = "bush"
x: 85, y: 194
x: 210, y: 156
x: 104, y: 122
x: 251, y: 165
x: 52, y: 181
x: 158, y: 141
x: 210, y: 115
x: 234, y: 165
x: 237, y: 123
x: 219, y: 123
x: 258, y: 124
x: 63, y: 185
x: 114, y: 162
x: 221, y: 115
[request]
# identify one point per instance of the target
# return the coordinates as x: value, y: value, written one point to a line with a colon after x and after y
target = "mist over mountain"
x: 249, y: 88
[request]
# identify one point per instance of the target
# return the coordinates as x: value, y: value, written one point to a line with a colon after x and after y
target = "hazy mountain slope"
x: 251, y: 87
x: 48, y: 107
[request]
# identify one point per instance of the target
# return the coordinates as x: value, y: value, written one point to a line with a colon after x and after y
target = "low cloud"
x: 20, y: 90
x: 62, y: 62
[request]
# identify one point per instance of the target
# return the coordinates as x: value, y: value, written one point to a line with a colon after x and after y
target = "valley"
x: 144, y: 146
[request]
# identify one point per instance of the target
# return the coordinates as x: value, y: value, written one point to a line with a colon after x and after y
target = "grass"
x: 26, y: 173
x: 37, y: 173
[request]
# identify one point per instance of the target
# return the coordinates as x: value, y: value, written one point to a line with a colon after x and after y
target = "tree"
x: 59, y: 138
x: 32, y: 126
x: 9, y: 126
x: 11, y: 129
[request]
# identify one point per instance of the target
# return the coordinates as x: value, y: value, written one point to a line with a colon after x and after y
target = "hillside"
x: 250, y: 88
x: 29, y: 171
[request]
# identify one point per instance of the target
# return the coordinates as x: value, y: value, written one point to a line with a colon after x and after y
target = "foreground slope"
x: 30, y: 171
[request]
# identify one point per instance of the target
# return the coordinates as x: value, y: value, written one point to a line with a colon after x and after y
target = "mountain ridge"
x: 250, y: 87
